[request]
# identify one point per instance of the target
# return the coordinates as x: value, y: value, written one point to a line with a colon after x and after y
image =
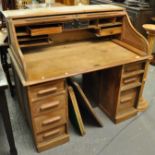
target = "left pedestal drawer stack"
x: 49, y: 112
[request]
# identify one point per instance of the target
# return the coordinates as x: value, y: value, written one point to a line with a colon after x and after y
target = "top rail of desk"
x: 59, y: 10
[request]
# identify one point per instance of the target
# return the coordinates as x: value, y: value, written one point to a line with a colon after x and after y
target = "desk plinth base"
x: 143, y: 105
x: 125, y: 115
x: 50, y: 144
x: 120, y: 117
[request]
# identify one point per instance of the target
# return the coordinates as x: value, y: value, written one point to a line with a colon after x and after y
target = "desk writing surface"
x: 70, y: 59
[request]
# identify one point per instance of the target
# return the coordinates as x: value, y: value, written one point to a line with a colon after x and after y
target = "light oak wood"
x: 47, y: 46
x: 52, y: 143
x: 41, y: 91
x: 109, y: 31
x: 52, y: 134
x: 75, y: 115
x: 143, y: 106
x: 45, y: 30
x: 60, y: 10
x: 48, y: 121
x: 151, y: 35
x: 132, y: 37
x: 85, y: 104
x: 89, y: 60
x: 48, y: 104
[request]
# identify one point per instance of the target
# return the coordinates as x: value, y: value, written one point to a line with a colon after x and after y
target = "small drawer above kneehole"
x: 45, y: 89
x: 49, y: 121
x: 49, y: 104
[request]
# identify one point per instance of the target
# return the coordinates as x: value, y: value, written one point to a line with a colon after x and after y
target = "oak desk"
x: 49, y: 45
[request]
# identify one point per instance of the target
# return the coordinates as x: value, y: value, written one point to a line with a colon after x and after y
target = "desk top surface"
x: 75, y: 58
x: 3, y: 81
x: 59, y: 10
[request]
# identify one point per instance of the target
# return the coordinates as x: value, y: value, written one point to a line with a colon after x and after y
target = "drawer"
x: 44, y: 30
x: 109, y: 31
x: 49, y: 121
x: 45, y: 89
x: 128, y: 99
x: 52, y: 134
x: 133, y: 67
x: 132, y: 79
x: 48, y: 104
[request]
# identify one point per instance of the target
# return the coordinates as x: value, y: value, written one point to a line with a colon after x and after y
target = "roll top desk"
x: 47, y: 46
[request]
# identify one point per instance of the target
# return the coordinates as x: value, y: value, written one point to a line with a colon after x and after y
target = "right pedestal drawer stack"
x: 132, y: 78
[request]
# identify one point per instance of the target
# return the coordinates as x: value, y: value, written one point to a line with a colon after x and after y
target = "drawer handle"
x: 52, y: 120
x: 49, y: 105
x: 126, y: 99
x: 52, y: 133
x: 130, y: 80
x: 50, y: 90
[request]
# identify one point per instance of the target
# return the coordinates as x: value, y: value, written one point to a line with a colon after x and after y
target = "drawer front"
x: 52, y: 134
x: 49, y: 104
x: 132, y: 79
x: 45, y: 122
x: 128, y: 98
x: 42, y: 90
x: 133, y: 67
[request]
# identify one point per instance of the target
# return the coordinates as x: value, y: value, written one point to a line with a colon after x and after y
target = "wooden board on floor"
x: 85, y: 103
x: 74, y: 112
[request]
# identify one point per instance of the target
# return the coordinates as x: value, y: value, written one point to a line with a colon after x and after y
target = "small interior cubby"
x: 40, y: 34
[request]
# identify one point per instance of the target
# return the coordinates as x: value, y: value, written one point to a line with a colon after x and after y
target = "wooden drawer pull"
x: 52, y: 120
x: 49, y: 105
x: 126, y: 99
x: 130, y: 80
x: 50, y: 90
x: 52, y: 133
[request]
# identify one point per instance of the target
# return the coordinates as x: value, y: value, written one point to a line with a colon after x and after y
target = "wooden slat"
x: 74, y: 112
x: 35, y: 44
x: 109, y: 24
x: 83, y: 100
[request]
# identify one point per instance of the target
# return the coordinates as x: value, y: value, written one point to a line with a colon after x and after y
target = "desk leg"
x: 6, y: 67
x: 7, y: 123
